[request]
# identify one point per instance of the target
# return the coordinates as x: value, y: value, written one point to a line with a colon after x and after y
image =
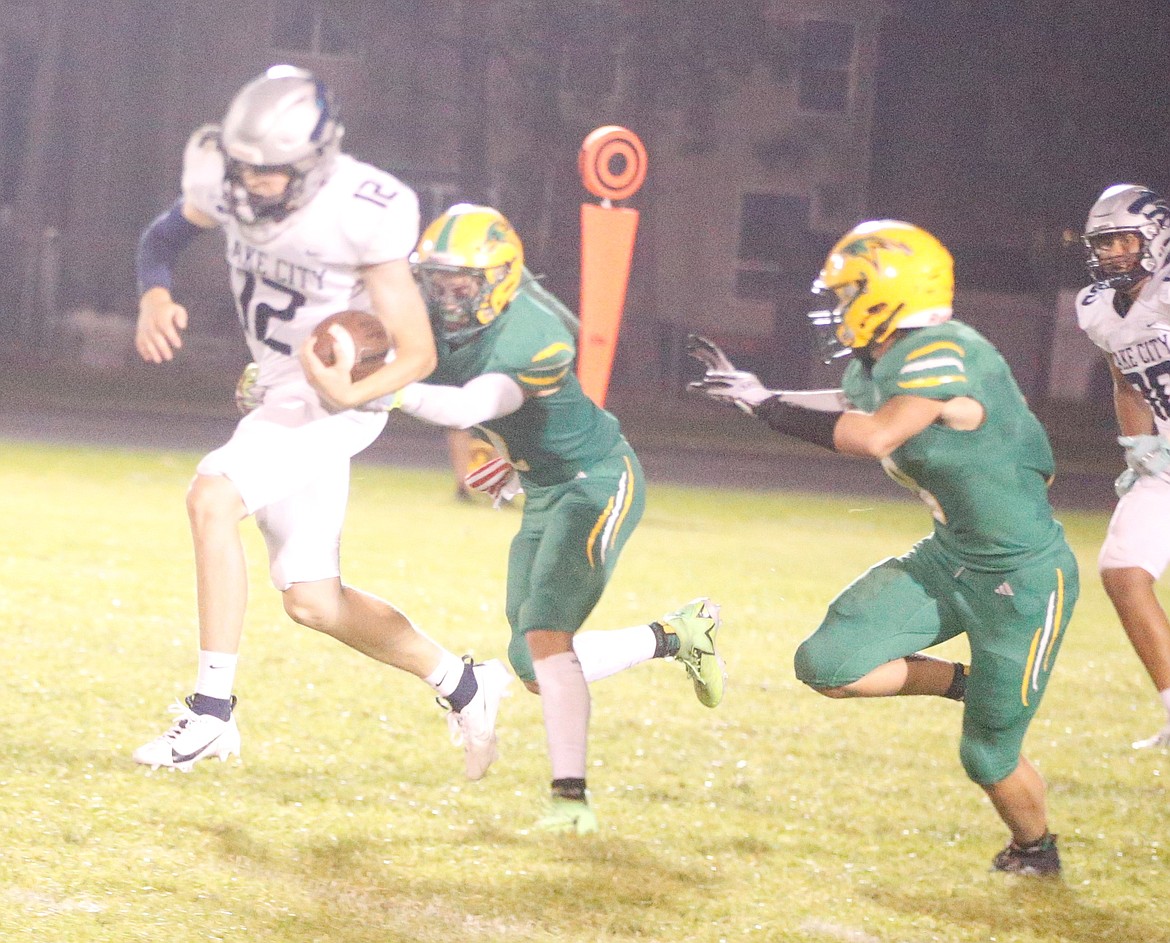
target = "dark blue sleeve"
x: 159, y: 247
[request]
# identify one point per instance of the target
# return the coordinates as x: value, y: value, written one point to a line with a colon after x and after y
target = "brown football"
x: 369, y: 338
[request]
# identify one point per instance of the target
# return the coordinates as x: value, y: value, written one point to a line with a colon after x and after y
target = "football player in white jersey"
x: 309, y: 232
x: 1126, y: 312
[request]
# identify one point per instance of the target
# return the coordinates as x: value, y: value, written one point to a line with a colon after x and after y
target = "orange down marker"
x: 612, y: 162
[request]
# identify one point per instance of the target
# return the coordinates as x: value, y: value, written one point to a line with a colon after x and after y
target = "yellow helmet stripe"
x: 924, y: 382
x: 551, y: 349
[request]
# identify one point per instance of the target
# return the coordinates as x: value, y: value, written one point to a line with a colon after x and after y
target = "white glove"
x: 734, y: 387
x: 1125, y: 482
x: 722, y: 382
x: 1146, y: 454
x: 497, y: 478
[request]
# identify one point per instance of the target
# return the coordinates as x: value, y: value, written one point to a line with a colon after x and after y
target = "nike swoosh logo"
x: 180, y: 758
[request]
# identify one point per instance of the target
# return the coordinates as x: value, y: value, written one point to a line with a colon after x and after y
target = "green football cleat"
x: 567, y: 817
x: 696, y: 624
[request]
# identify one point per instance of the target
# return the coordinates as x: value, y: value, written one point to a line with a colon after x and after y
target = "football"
x: 369, y: 340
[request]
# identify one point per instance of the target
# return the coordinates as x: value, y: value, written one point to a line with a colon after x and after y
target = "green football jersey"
x: 559, y: 431
x: 987, y: 489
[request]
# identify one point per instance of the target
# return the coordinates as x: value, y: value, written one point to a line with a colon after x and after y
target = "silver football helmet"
x: 284, y: 120
x: 1126, y: 208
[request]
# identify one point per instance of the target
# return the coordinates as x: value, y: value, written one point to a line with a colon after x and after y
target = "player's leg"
x: 272, y: 453
x: 303, y: 534
x: 570, y: 539
x: 1134, y: 555
x: 869, y: 643
x: 1015, y: 637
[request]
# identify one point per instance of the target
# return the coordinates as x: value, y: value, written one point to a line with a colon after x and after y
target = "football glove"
x: 497, y: 478
x: 248, y: 394
x: 1146, y: 454
x: 722, y: 382
x: 1125, y: 482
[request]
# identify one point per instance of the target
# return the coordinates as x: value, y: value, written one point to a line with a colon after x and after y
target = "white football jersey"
x: 289, y: 276
x: 1137, y: 342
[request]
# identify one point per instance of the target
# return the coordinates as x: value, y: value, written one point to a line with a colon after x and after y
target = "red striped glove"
x: 497, y: 478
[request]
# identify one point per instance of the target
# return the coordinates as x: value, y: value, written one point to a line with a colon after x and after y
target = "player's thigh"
x: 285, y: 445
x: 1138, y: 535
x: 887, y: 613
x: 584, y: 525
x: 521, y: 555
x: 1020, y: 621
x: 303, y: 530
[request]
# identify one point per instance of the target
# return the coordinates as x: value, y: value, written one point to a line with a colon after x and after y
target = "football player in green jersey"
x: 936, y: 403
x: 506, y: 352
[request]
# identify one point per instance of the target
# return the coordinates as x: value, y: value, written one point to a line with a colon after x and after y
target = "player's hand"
x: 722, y: 382
x: 248, y: 395
x: 497, y: 478
x: 707, y: 352
x: 160, y: 321
x: 1146, y: 454
x: 1125, y: 482
x: 733, y: 387
x: 333, y: 384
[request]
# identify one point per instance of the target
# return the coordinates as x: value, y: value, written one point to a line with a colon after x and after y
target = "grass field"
x: 780, y: 816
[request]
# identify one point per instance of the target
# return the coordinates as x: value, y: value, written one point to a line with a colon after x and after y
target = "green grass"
x: 780, y: 816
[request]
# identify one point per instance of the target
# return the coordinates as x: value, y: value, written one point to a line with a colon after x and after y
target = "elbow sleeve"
x: 159, y: 247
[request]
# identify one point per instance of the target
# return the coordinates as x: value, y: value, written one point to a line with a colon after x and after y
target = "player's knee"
x: 988, y: 756
x: 1126, y: 582
x: 521, y: 660
x: 212, y: 499
x: 309, y: 607
x: 814, y: 664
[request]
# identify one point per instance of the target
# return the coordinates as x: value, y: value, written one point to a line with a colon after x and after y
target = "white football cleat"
x: 475, y: 726
x: 192, y: 737
x: 1160, y: 739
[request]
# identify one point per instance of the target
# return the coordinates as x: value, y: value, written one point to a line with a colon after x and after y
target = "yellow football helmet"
x: 469, y: 263
x: 882, y: 276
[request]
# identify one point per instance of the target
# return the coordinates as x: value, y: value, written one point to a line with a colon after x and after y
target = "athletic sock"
x: 564, y: 697
x: 606, y: 653
x: 217, y: 674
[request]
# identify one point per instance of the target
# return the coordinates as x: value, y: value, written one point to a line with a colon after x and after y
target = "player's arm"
x: 160, y: 319
x: 485, y: 397
x: 1134, y: 416
x: 878, y: 434
x: 396, y: 302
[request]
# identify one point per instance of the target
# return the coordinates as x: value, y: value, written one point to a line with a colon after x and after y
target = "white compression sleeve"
x: 823, y: 401
x: 461, y: 407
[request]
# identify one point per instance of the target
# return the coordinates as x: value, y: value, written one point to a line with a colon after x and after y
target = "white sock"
x: 1165, y: 696
x: 606, y: 653
x: 447, y: 675
x: 217, y: 674
x: 564, y: 697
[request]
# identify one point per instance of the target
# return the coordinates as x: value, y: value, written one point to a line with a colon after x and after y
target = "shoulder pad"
x: 203, y: 171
